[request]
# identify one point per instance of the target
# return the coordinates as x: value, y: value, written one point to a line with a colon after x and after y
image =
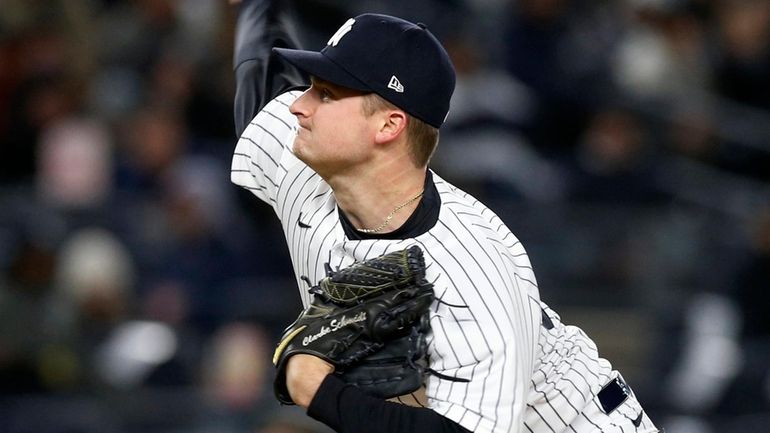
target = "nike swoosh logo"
x: 300, y: 223
x: 638, y: 419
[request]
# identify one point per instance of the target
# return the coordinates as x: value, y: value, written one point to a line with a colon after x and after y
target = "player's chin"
x: 299, y: 145
x: 300, y: 150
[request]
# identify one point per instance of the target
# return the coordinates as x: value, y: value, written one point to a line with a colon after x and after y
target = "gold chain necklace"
x: 390, y: 215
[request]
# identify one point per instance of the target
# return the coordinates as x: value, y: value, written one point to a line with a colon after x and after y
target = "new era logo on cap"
x: 395, y: 85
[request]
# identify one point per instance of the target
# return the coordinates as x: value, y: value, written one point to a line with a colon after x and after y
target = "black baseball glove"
x: 369, y: 320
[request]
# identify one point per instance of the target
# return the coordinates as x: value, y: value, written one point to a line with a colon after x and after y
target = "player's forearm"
x: 304, y: 375
x: 347, y: 409
x: 251, y: 29
x: 258, y: 78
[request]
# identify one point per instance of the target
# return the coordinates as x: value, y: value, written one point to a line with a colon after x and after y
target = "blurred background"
x: 626, y: 143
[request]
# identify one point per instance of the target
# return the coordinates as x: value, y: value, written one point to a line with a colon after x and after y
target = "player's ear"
x: 393, y: 123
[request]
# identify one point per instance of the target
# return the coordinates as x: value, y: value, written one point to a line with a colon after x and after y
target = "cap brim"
x: 318, y: 65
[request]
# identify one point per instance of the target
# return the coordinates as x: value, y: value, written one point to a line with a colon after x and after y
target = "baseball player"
x: 343, y: 161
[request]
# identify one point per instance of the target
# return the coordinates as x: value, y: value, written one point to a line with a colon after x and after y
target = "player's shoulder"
x: 290, y: 95
x: 468, y: 211
x: 278, y: 107
x: 456, y: 199
x: 274, y: 119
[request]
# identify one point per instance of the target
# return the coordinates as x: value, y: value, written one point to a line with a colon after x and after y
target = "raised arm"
x: 259, y: 76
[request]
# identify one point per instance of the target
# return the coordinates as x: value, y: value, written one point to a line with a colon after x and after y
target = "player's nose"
x: 300, y: 107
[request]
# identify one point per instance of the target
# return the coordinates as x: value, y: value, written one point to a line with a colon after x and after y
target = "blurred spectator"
x: 744, y: 43
x: 235, y: 378
x: 139, y: 353
x: 59, y: 307
x: 28, y: 330
x: 197, y: 253
x: 154, y: 139
x: 43, y: 68
x: 36, y: 104
x: 75, y: 164
x: 559, y: 48
x: 96, y: 273
x: 134, y: 33
x: 691, y: 134
x: 750, y: 392
x: 490, y: 108
x: 614, y: 163
x: 95, y: 279
x: 741, y: 69
x: 662, y: 55
x: 711, y: 356
x: 752, y: 280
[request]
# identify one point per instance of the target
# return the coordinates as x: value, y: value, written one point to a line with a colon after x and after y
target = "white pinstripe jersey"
x: 487, y: 329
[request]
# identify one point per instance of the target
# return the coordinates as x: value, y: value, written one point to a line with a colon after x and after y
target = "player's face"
x: 334, y: 133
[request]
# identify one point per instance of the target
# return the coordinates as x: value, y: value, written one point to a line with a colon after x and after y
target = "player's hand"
x: 304, y: 374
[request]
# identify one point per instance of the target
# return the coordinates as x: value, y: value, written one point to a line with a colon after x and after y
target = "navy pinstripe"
x: 486, y: 322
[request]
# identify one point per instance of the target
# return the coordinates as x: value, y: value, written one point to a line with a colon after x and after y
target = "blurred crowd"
x: 626, y: 142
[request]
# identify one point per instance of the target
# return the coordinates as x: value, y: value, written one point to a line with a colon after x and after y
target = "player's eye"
x: 326, y: 96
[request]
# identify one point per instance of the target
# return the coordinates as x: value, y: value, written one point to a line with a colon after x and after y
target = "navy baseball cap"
x: 401, y: 61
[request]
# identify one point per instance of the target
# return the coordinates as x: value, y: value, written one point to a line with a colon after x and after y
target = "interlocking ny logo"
x: 335, y: 39
x: 395, y: 85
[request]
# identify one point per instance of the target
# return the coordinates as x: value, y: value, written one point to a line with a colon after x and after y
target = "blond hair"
x: 423, y: 138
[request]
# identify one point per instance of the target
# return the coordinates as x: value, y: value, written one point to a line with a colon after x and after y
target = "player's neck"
x: 381, y: 203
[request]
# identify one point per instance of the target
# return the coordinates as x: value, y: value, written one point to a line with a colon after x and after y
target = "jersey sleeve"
x: 263, y: 154
x: 259, y: 75
x: 347, y: 409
